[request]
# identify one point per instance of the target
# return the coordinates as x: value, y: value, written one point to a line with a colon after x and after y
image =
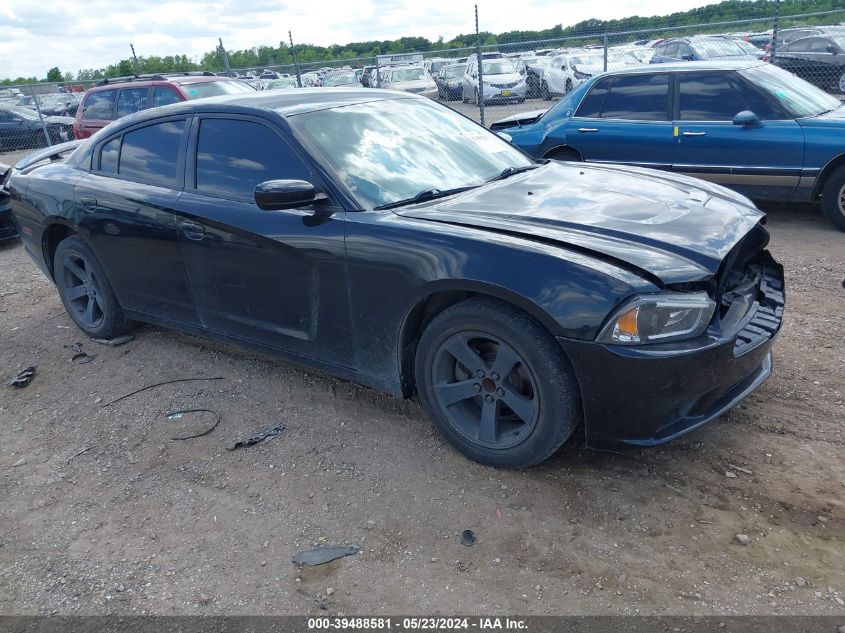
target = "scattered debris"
x: 20, y: 462
x: 321, y: 555
x: 673, y: 488
x: 742, y: 539
x: 159, y: 384
x: 255, y: 438
x: 115, y: 342
x: 23, y: 378
x: 330, y: 591
x: 741, y: 469
x: 83, y: 449
x: 81, y: 358
x: 6, y: 294
x: 176, y: 415
x: 468, y: 538
x: 730, y: 475
x: 800, y: 582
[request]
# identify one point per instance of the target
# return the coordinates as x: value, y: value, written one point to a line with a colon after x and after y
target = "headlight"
x: 659, y: 318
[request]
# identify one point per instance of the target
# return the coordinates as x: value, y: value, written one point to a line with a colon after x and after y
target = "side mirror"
x: 746, y: 118
x: 274, y: 195
x: 687, y: 58
x: 505, y: 136
x: 832, y: 49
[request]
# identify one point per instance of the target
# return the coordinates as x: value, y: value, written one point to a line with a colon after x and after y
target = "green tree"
x: 54, y: 74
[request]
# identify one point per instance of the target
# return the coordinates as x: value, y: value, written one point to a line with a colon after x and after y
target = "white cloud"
x: 73, y: 34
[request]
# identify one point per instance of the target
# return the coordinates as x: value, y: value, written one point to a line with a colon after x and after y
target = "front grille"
x: 765, y: 322
x: 506, y: 85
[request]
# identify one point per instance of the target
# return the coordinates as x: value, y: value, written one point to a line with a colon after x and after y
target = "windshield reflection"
x: 390, y: 150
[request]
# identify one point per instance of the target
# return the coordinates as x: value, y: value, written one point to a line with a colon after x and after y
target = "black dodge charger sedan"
x: 388, y: 240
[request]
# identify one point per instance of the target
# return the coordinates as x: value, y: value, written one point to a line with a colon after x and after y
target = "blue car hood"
x: 675, y: 228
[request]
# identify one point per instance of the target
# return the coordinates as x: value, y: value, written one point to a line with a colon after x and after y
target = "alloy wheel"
x: 485, y: 389
x: 82, y: 291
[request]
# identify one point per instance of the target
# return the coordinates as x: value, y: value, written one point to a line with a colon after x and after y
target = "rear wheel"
x: 85, y: 291
x: 833, y: 198
x: 496, y: 384
x: 568, y: 85
x: 565, y: 155
x: 544, y: 91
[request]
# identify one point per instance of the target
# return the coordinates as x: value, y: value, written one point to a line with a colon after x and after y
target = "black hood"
x: 675, y: 228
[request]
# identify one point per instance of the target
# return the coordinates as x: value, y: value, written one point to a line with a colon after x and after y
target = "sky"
x: 74, y: 34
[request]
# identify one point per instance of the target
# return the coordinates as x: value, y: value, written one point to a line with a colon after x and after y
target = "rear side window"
x: 99, y: 105
x: 638, y: 98
x: 109, y: 155
x: 709, y: 97
x: 132, y: 100
x: 163, y: 96
x: 593, y: 103
x: 152, y: 153
x: 233, y: 156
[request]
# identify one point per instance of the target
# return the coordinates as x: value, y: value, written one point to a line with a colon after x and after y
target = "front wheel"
x: 85, y: 291
x: 833, y: 198
x: 544, y: 91
x: 568, y: 86
x: 496, y: 384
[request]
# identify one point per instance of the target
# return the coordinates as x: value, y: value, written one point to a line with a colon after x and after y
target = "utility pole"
x: 135, y: 59
x: 225, y: 57
x: 295, y: 63
x: 775, y: 32
x: 480, y: 68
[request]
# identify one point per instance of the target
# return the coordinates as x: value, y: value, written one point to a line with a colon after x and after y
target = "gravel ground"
x: 104, y: 513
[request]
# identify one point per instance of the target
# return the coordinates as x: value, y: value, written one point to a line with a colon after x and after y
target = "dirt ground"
x: 103, y: 513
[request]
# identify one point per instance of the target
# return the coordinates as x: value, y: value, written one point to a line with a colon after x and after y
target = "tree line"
x: 309, y: 55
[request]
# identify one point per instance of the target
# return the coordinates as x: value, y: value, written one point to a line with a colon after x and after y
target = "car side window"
x: 592, y: 104
x: 163, y: 95
x: 819, y: 45
x: 151, y: 153
x: 683, y: 51
x: 670, y: 49
x: 799, y: 46
x: 132, y: 100
x: 638, y: 98
x: 234, y: 155
x: 708, y: 97
x: 109, y: 155
x: 99, y: 105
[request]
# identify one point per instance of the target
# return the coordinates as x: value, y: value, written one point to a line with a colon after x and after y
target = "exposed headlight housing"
x: 659, y: 318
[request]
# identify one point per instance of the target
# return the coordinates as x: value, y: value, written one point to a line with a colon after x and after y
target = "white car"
x: 558, y: 77
x: 413, y: 79
x: 502, y: 81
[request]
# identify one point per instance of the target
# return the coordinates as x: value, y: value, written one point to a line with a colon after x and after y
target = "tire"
x: 833, y: 198
x: 544, y: 91
x: 470, y: 406
x: 568, y: 86
x: 477, y: 98
x: 842, y: 83
x: 85, y: 291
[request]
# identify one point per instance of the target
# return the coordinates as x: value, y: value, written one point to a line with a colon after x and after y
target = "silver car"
x: 413, y: 79
x: 502, y: 81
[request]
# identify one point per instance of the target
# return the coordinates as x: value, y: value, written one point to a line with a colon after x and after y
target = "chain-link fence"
x: 496, y: 78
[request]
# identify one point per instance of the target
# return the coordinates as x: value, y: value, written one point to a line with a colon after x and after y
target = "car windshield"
x: 392, y: 150
x: 454, y: 71
x: 202, y: 89
x: 435, y: 66
x: 284, y: 82
x: 538, y: 62
x: 338, y: 79
x: 712, y: 49
x: 25, y: 113
x: 499, y: 67
x: 799, y: 97
x: 407, y: 74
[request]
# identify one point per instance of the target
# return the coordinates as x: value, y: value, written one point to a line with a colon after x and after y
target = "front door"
x: 762, y: 161
x: 275, y: 278
x: 625, y: 119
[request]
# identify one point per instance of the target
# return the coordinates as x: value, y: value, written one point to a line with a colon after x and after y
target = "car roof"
x: 286, y: 102
x: 675, y: 67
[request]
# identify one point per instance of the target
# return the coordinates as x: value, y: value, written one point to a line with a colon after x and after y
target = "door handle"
x: 89, y: 204
x: 583, y: 130
x: 695, y: 133
x: 192, y: 230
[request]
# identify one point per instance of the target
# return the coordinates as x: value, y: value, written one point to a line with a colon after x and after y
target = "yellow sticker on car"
x: 506, y: 93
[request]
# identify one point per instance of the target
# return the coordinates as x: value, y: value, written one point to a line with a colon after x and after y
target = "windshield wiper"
x: 507, y: 172
x: 423, y: 196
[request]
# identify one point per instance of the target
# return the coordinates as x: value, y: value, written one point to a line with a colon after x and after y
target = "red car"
x: 112, y: 99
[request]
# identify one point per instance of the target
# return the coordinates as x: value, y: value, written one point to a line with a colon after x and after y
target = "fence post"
x: 295, y: 63
x: 225, y: 57
x: 480, y: 69
x: 40, y: 116
x: 775, y: 33
x: 604, y: 40
x: 378, y: 73
x: 135, y: 59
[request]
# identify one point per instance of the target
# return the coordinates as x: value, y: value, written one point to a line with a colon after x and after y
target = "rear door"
x: 274, y: 278
x: 763, y: 162
x: 127, y: 207
x: 98, y: 110
x: 625, y: 119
